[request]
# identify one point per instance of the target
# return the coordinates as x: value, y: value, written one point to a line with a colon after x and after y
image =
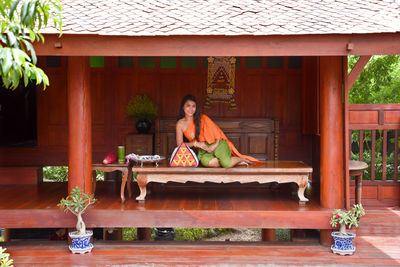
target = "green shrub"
x: 195, y: 234
x: 129, y: 234
x: 181, y: 234
x: 4, y: 258
x: 55, y: 173
x: 367, y: 153
x: 141, y: 107
x: 282, y: 234
x: 60, y: 174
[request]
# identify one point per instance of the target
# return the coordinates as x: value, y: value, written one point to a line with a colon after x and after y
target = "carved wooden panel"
x: 235, y: 139
x: 141, y: 144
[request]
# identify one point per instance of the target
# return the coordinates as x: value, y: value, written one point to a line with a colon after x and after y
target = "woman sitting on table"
x: 214, y: 148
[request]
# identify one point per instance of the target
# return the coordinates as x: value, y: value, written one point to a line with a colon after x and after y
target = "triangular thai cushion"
x: 183, y: 156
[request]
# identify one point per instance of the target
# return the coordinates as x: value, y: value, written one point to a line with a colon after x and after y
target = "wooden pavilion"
x: 291, y: 65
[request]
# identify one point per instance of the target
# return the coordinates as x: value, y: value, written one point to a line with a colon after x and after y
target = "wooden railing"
x: 374, y: 123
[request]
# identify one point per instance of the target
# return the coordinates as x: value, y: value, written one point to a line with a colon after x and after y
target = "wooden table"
x: 265, y: 172
x: 126, y: 172
x: 356, y: 169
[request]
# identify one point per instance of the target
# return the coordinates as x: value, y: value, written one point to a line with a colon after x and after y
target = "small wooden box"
x: 141, y: 144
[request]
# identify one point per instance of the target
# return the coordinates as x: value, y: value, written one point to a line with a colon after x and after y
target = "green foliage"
x: 77, y: 201
x: 141, y: 107
x: 282, y: 235
x: 378, y: 83
x: 367, y: 153
x: 195, y: 234
x: 99, y: 175
x: 56, y: 173
x: 4, y: 258
x: 20, y: 23
x: 130, y: 233
x: 181, y: 234
x: 60, y: 173
x: 347, y: 218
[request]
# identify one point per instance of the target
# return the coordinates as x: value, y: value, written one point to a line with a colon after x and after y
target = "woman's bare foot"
x: 244, y: 162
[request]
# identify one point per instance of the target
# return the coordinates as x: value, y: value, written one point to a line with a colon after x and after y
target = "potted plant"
x: 77, y: 202
x: 343, y: 240
x: 141, y: 108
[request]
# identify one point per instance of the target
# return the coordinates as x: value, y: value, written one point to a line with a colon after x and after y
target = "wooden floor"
x: 377, y: 237
x: 173, y: 205
x: 377, y: 245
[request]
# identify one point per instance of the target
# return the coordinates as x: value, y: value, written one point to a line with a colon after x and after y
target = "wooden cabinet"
x: 141, y: 144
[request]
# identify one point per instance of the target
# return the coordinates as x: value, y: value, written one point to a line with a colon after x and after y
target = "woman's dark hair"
x: 196, y: 115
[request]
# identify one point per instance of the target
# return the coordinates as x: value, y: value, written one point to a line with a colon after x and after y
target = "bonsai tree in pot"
x: 77, y: 202
x: 343, y: 240
x: 141, y: 108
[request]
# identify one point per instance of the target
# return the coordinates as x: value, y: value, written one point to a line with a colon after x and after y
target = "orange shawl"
x: 210, y: 132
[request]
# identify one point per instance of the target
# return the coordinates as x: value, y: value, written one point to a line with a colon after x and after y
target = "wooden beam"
x: 55, y: 218
x: 356, y: 71
x: 268, y: 234
x: 274, y: 45
x: 374, y: 116
x: 79, y: 125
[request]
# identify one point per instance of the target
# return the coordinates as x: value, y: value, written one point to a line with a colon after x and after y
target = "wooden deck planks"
x: 198, y: 253
x: 377, y: 248
x: 206, y: 205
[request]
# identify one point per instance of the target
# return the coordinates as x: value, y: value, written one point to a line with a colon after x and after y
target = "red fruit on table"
x: 110, y: 158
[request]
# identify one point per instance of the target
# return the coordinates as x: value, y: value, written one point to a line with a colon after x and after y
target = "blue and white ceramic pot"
x: 81, y: 243
x: 343, y: 243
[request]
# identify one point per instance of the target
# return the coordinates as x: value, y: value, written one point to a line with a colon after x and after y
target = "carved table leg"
x: 142, y: 182
x: 94, y: 181
x: 123, y: 183
x: 358, y: 189
x: 129, y: 181
x: 302, y: 187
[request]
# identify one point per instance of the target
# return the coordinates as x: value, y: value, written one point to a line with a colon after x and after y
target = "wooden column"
x: 332, y: 152
x: 268, y: 235
x: 143, y: 234
x: 6, y: 235
x: 80, y: 124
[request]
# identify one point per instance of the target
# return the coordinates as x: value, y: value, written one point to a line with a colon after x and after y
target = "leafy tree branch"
x: 20, y: 25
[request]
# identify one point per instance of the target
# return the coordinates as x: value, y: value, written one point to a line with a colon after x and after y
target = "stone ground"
x: 245, y: 234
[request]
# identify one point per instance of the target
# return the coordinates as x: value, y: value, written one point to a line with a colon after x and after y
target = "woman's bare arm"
x: 179, y: 133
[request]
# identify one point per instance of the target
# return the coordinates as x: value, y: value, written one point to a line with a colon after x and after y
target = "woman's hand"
x: 203, y: 146
x: 209, y: 149
x: 214, y: 146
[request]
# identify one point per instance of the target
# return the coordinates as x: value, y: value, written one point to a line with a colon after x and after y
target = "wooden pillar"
x: 143, y: 233
x: 80, y: 124
x: 332, y: 152
x: 6, y: 235
x: 268, y: 235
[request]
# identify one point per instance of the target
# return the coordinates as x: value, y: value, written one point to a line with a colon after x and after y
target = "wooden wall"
x: 260, y: 92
